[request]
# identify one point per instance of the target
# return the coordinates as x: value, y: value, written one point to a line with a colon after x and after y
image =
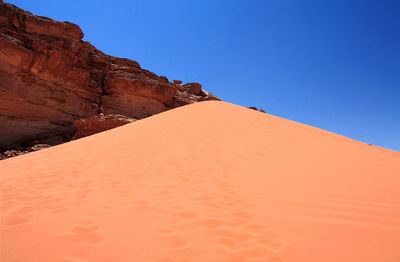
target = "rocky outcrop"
x: 255, y: 108
x: 99, y: 123
x: 193, y: 88
x: 22, y: 150
x: 50, y: 78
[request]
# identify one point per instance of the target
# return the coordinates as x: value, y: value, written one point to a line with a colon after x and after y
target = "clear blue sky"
x: 330, y: 64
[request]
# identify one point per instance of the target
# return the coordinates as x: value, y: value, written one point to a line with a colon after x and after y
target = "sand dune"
x: 207, y: 182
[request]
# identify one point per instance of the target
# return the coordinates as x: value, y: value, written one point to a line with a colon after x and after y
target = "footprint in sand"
x: 175, y: 242
x: 17, y: 223
x: 15, y: 220
x: 86, y: 233
x: 54, y: 205
x: 186, y: 215
x: 29, y: 209
x: 256, y: 228
x: 269, y: 241
x: 237, y: 237
x: 78, y: 229
x: 58, y: 209
x: 228, y: 243
x: 165, y: 232
x: 248, y: 254
x: 80, y: 252
x: 81, y: 241
x: 241, y: 214
x: 211, y: 223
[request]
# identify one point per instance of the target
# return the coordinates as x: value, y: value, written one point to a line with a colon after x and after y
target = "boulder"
x: 193, y: 88
x: 99, y: 123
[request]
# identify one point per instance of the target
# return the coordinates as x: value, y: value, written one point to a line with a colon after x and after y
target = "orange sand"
x: 206, y: 182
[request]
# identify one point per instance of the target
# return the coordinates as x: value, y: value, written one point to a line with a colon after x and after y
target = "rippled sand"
x: 210, y: 181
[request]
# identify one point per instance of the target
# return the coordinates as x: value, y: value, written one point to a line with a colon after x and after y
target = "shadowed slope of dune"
x: 207, y: 182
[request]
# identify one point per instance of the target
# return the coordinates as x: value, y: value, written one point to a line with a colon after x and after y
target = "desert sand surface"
x: 210, y: 181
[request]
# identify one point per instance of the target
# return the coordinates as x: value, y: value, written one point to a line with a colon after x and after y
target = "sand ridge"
x: 206, y: 182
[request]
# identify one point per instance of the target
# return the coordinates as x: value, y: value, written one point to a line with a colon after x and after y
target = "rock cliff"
x: 51, y: 78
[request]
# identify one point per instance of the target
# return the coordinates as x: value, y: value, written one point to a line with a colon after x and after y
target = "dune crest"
x: 209, y: 181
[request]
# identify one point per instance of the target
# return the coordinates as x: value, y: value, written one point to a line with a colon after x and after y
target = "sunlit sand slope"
x: 210, y: 181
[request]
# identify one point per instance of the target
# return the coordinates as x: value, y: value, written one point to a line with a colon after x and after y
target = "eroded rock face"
x: 99, y: 123
x: 194, y: 88
x: 50, y: 78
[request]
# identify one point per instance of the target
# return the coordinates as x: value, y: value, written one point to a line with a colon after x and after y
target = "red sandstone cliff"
x: 51, y: 78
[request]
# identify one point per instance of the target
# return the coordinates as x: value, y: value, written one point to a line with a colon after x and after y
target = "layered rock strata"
x: 50, y: 78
